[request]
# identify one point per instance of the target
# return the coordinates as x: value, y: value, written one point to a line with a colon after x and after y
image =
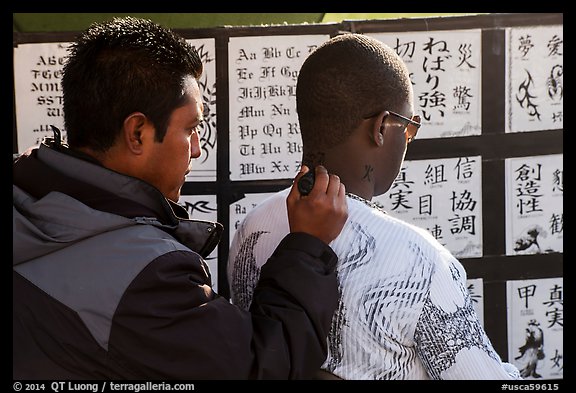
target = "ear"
x: 133, y: 132
x: 378, y: 128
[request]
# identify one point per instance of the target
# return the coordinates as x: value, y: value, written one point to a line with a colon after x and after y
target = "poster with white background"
x: 204, y: 167
x: 443, y: 196
x: 265, y: 141
x: 534, y: 78
x: 445, y: 68
x: 536, y: 327
x: 39, y: 98
x: 243, y: 206
x: 534, y: 204
x: 38, y: 91
x: 203, y: 207
x: 476, y: 290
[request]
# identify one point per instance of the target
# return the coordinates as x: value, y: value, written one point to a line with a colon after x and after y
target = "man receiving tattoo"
x: 404, y: 311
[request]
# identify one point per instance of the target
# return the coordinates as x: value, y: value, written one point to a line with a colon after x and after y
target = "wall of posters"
x: 475, y: 177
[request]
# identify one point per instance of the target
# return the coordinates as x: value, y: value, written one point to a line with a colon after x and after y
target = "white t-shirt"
x: 404, y: 310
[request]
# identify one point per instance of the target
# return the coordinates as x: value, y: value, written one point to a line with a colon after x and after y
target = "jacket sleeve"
x: 297, y: 288
x: 171, y: 325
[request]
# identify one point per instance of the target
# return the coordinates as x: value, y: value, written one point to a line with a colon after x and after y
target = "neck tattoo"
x: 368, y: 173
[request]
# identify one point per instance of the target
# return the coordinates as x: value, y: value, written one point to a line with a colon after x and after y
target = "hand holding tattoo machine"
x: 306, y: 182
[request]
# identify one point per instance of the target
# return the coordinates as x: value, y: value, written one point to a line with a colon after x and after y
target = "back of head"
x: 119, y: 67
x: 344, y: 80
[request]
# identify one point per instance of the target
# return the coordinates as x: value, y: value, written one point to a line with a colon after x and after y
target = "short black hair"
x: 347, y: 78
x: 122, y: 66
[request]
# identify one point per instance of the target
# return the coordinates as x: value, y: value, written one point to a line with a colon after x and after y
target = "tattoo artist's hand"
x: 321, y: 213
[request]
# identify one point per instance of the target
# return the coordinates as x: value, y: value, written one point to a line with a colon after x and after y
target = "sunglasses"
x: 411, y: 126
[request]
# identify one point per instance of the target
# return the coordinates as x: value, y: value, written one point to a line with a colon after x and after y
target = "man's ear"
x: 378, y: 128
x: 133, y: 131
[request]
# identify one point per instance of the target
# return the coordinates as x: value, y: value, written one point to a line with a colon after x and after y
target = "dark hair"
x: 119, y: 67
x: 344, y: 80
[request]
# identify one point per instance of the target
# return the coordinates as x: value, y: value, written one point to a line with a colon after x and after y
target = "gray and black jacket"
x: 109, y: 282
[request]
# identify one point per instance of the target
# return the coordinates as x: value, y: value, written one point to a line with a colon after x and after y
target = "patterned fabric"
x: 245, y: 270
x: 404, y: 311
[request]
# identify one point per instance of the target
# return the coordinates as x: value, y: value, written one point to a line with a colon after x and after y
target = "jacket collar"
x: 200, y: 236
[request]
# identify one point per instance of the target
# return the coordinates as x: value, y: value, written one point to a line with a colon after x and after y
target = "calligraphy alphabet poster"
x: 265, y: 141
x: 536, y: 327
x: 240, y: 208
x: 38, y: 91
x: 204, y: 207
x: 39, y: 99
x: 443, y: 196
x: 476, y: 290
x: 534, y: 204
x: 534, y: 78
x: 445, y: 69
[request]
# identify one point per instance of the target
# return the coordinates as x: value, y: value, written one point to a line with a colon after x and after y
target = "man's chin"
x: 172, y: 199
x: 173, y: 196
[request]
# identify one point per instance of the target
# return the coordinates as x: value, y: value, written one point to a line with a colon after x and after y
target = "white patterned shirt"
x: 404, y: 311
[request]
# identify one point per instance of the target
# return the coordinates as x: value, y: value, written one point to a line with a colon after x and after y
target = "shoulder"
x: 392, y: 237
x: 178, y: 264
x: 390, y: 225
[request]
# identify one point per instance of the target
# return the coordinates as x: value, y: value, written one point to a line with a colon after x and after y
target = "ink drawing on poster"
x: 536, y: 327
x: 534, y: 78
x: 534, y: 204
